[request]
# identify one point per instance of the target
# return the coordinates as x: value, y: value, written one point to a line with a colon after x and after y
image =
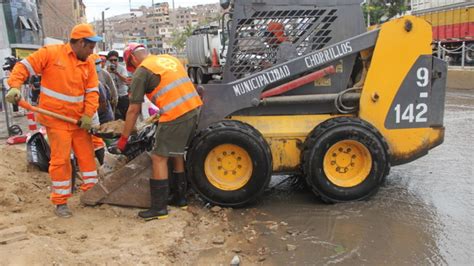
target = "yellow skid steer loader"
x: 306, y: 89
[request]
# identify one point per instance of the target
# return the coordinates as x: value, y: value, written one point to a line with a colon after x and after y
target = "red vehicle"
x: 453, y: 26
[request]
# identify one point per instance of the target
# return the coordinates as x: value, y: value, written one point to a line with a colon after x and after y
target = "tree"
x: 382, y: 10
x: 180, y: 37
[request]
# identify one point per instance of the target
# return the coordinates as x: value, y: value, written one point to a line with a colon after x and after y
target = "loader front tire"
x: 229, y: 164
x: 345, y: 159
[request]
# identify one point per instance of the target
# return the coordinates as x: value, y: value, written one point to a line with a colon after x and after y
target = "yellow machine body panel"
x: 285, y: 135
x: 395, y: 53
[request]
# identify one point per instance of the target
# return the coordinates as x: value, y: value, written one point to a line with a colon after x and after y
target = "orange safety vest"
x: 175, y: 95
x: 68, y: 86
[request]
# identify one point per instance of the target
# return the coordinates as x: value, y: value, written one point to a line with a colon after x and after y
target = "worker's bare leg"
x: 159, y: 190
x: 178, y: 164
x: 160, y: 167
x: 178, y: 184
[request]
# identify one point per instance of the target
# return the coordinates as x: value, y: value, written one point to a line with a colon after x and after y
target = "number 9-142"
x: 412, y: 113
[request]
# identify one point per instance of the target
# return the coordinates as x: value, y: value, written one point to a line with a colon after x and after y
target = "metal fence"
x: 6, y: 112
x: 446, y: 54
x: 12, y: 123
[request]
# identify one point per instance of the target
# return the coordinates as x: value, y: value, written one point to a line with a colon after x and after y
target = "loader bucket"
x: 129, y: 186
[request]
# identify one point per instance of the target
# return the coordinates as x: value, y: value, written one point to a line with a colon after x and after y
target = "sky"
x: 94, y: 8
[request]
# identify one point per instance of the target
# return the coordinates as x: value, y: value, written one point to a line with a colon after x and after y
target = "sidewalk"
x: 459, y: 78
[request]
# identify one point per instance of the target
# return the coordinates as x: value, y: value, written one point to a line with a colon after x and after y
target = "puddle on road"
x: 394, y: 227
x: 423, y: 214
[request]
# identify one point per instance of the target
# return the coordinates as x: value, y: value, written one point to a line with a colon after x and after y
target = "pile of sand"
x: 103, y: 234
x: 114, y: 127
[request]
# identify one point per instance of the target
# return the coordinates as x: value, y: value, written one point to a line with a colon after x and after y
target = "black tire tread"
x: 204, y: 77
x: 321, y: 129
x: 192, y: 76
x: 203, y: 135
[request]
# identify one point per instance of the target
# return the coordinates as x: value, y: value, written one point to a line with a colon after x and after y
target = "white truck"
x: 204, y: 51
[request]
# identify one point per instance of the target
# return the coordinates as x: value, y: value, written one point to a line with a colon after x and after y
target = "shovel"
x: 24, y: 104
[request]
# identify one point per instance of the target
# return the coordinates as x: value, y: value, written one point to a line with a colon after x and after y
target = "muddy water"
x: 423, y: 215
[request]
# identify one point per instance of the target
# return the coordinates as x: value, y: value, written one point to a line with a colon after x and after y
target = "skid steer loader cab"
x: 334, y: 102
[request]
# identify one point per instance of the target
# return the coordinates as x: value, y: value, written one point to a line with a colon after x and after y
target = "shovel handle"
x: 24, y: 104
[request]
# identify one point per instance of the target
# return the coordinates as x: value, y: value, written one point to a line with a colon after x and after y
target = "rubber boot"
x: 172, y: 185
x: 178, y: 196
x: 159, y: 196
x: 63, y: 211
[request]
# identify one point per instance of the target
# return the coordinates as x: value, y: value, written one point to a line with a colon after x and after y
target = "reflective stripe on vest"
x: 60, y: 96
x: 169, y: 87
x: 29, y: 67
x: 61, y: 183
x: 177, y: 102
x: 92, y: 89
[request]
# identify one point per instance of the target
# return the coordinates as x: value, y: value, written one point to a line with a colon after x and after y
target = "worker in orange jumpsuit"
x: 164, y: 81
x: 69, y: 87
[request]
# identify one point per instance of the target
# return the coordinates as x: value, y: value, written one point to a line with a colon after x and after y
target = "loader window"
x: 259, y: 39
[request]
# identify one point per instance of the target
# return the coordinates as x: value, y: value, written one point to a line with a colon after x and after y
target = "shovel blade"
x: 128, y: 186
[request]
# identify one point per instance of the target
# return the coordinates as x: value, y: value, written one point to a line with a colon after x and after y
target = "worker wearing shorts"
x: 164, y: 81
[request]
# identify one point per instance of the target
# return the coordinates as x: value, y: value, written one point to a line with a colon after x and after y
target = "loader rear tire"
x: 229, y: 164
x: 345, y: 159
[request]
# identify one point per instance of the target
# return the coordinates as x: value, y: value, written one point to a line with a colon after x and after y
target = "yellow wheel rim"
x: 347, y: 163
x: 228, y: 167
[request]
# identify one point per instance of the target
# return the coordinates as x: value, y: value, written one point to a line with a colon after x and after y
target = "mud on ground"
x: 103, y: 234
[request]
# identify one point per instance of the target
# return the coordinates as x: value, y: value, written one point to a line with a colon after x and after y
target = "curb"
x: 460, y: 79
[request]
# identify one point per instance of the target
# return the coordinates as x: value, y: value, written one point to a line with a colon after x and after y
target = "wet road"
x: 423, y: 215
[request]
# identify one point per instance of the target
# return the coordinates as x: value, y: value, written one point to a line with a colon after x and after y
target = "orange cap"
x: 85, y: 31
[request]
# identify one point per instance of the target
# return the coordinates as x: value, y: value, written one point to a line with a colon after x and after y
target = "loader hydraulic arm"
x: 221, y: 100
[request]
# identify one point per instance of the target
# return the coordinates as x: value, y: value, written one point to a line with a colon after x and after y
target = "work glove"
x: 85, y: 122
x: 13, y: 95
x: 122, y: 143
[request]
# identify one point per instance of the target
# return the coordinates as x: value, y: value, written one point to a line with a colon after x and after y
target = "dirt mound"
x: 103, y: 234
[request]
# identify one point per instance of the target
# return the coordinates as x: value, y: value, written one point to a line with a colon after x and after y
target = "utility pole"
x: 103, y: 30
x: 40, y: 17
x: 368, y: 13
x: 153, y: 24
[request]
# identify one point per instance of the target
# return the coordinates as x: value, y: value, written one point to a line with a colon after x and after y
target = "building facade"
x: 21, y: 30
x: 60, y: 16
x: 154, y: 26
